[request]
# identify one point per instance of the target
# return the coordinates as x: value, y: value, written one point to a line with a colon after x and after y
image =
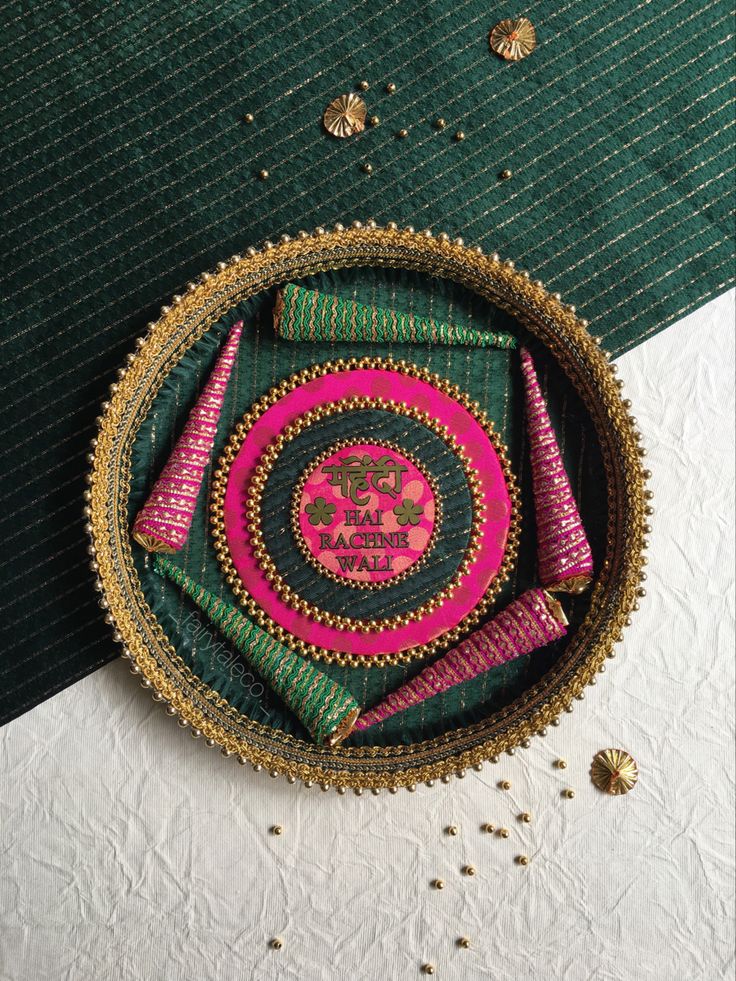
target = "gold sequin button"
x: 345, y: 116
x: 513, y: 39
x: 614, y: 771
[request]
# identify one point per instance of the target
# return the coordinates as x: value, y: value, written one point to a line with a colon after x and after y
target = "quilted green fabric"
x: 126, y: 169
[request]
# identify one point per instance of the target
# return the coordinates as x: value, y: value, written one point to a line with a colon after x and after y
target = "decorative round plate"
x: 417, y: 488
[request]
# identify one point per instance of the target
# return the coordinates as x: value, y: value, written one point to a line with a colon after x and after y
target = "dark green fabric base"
x: 126, y: 170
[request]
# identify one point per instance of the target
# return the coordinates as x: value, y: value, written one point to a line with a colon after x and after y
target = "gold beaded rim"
x: 353, y: 583
x: 202, y: 711
x: 343, y: 658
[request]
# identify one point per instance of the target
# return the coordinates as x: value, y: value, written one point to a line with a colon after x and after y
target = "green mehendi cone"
x: 306, y: 315
x: 325, y: 708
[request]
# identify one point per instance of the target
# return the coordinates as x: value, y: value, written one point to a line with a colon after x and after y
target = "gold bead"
x: 525, y: 817
x: 504, y: 784
x: 263, y: 174
x: 363, y: 86
x: 440, y: 123
x: 569, y: 793
x: 522, y: 860
x: 367, y: 168
x: 506, y: 174
x: 463, y: 942
x: 459, y: 136
x: 277, y: 830
x: 402, y: 133
x: 503, y: 832
x: 452, y: 830
x: 248, y: 117
x: 489, y: 828
x: 277, y: 943
x: 428, y: 968
x: 390, y: 88
x: 374, y: 120
x: 468, y: 870
x: 561, y: 764
x: 438, y: 883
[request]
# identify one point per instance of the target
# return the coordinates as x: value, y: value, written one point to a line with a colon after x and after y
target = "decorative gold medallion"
x: 614, y: 771
x: 345, y: 116
x: 513, y: 39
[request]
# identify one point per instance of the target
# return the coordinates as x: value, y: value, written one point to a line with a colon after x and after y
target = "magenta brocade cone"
x: 164, y: 521
x: 530, y: 622
x: 563, y: 551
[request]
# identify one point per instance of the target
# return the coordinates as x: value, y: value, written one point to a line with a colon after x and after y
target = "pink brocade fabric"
x: 163, y: 523
x: 525, y: 625
x: 563, y: 552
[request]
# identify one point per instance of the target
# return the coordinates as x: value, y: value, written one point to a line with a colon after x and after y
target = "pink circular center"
x: 366, y: 513
x: 472, y: 440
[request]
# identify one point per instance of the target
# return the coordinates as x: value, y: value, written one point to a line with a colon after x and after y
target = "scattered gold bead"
x: 569, y: 793
x: 452, y: 830
x: 391, y: 88
x: 489, y: 828
x: 402, y: 133
x: 459, y: 136
x: 363, y: 86
x: 503, y: 832
x: 277, y: 830
x: 506, y: 174
x: 525, y: 817
x: 428, y: 968
x: 277, y: 943
x: 440, y: 123
x: 263, y: 174
x: 374, y: 120
x: 468, y: 870
x: 367, y: 168
x: 438, y: 883
x: 561, y: 764
x: 463, y: 942
x: 248, y: 117
x: 522, y: 860
x: 504, y: 784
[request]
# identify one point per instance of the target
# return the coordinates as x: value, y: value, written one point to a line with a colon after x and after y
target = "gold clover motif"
x: 614, y: 771
x: 320, y: 512
x: 408, y: 513
x: 513, y: 39
x: 345, y: 116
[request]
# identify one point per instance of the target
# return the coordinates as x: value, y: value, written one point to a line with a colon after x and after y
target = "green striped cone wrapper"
x: 306, y: 315
x: 327, y: 710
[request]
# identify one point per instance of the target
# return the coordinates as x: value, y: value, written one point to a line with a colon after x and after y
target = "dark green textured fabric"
x: 126, y: 170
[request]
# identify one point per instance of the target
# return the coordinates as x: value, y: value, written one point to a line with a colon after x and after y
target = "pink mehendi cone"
x: 163, y: 523
x: 529, y: 622
x: 563, y: 551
